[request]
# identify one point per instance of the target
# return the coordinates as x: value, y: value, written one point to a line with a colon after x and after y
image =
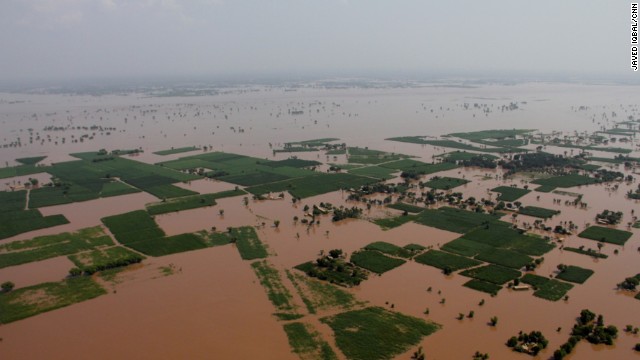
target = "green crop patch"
x: 12, y: 201
x: 320, y: 295
x: 406, y: 207
x: 538, y: 212
x: 132, y: 227
x: 373, y: 171
x: 307, y: 342
x: 588, y: 252
x: 116, y: 188
x: 390, y: 249
x: 563, y: 181
x: 417, y: 167
x: 190, y: 202
x: 20, y: 170
x: 455, y: 156
x: 295, y: 163
x: 445, y: 183
x: 271, y: 281
x: 462, y: 246
x: 390, y: 223
x: 313, y: 185
x: 375, y: 261
x: 492, y: 273
x: 509, y: 193
x: 549, y: 289
x: 50, y: 246
x: 105, y: 258
x: 31, y: 160
x: 169, y: 245
x: 501, y: 235
x: 455, y: 220
x: 248, y: 243
x: 17, y: 222
x: 33, y: 300
x: 446, y: 261
x: 604, y: 234
x: 483, y: 286
x: 176, y: 150
x: 575, y: 274
x: 506, y: 258
x: 375, y: 333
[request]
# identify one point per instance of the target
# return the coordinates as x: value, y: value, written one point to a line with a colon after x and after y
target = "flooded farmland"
x: 209, y: 303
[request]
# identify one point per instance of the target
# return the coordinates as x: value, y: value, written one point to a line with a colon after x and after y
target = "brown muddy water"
x: 213, y: 305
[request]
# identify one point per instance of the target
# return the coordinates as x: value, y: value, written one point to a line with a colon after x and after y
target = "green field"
x: 455, y: 156
x: 509, y: 193
x: 418, y: 167
x: 368, y: 156
x: 20, y: 170
x: 483, y: 286
x: 29, y: 301
x: 406, y: 207
x: 31, y: 160
x: 443, y: 260
x: 375, y: 333
x: 169, y: 245
x: 190, y: 202
x: 307, y: 342
x: 373, y: 171
x: 564, y: 181
x: 390, y: 223
x: 451, y: 219
x: 320, y: 295
x: 271, y: 281
x: 600, y: 233
x: 390, y: 249
x: 248, y: 243
x: 105, y: 258
x: 575, y: 274
x: 176, y: 150
x: 538, y: 212
x: 46, y: 247
x: 375, y: 261
x: 502, y: 235
x: 445, y: 183
x: 492, y: 273
x: 549, y: 289
x: 313, y: 185
x: 17, y: 222
x: 466, y: 247
x: 448, y: 143
x: 133, y: 227
x: 506, y: 258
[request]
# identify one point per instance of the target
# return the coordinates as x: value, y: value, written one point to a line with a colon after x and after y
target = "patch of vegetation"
x: 574, y: 274
x: 466, y: 247
x: 320, y: 295
x: 510, y: 193
x: 313, y: 185
x: 375, y: 333
x: 46, y: 247
x: 501, y: 235
x: 406, y: 207
x: 169, y: 245
x: 334, y: 269
x: 445, y: 183
x: 549, y: 289
x: 133, y: 227
x: 277, y: 293
x: 248, y: 243
x: 33, y: 300
x: 610, y: 217
x: 368, y: 156
x: 479, y: 285
x: 448, y: 143
x: 531, y: 343
x: 17, y: 222
x: 103, y: 259
x: 390, y: 223
x: 190, y: 202
x: 390, y: 249
x: 492, y: 273
x: 176, y: 150
x: 30, y: 160
x: 373, y: 171
x: 589, y: 252
x: 445, y: 261
x: 506, y: 258
x: 307, y: 342
x: 375, y: 261
x: 451, y: 219
x: 607, y: 235
x: 20, y: 170
x: 538, y: 212
x: 563, y: 181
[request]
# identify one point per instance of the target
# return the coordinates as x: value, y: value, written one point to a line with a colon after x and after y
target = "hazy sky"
x: 41, y: 39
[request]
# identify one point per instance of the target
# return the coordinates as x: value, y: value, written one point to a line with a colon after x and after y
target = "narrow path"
x: 26, y: 203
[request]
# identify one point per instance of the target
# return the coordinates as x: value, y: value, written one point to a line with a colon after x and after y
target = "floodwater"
x: 214, y: 307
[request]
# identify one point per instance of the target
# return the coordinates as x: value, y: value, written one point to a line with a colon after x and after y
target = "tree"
x: 221, y: 212
x: 7, y: 286
x: 276, y: 223
x: 494, y: 321
x: 74, y: 271
x: 419, y: 354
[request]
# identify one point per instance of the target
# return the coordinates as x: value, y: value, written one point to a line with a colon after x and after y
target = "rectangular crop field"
x: 492, y: 273
x: 451, y: 219
x: 443, y: 260
x: 604, y: 234
x: 390, y: 249
x: 248, y: 243
x: 538, y: 212
x: 575, y: 274
x: 375, y: 261
x: 509, y: 193
x: 445, y: 183
x: 483, y: 286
